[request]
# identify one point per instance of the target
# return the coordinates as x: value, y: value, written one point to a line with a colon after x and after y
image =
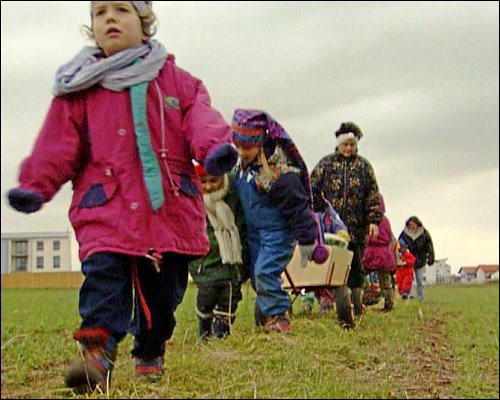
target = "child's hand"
x: 25, y: 201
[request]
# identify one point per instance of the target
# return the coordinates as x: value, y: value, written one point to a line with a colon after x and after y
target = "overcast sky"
x: 420, y: 79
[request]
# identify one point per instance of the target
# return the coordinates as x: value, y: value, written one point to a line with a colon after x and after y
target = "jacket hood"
x: 171, y: 58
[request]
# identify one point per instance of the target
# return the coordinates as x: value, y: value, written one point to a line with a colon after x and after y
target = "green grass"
x: 446, y: 347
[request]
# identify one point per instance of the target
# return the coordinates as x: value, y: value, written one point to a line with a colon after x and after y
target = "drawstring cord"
x: 164, y: 151
x: 156, y: 259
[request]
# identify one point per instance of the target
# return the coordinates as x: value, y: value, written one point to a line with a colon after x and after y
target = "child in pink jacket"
x: 379, y: 256
x: 124, y: 126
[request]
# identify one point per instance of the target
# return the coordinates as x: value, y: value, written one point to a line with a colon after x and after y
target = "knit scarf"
x: 116, y: 73
x: 222, y: 219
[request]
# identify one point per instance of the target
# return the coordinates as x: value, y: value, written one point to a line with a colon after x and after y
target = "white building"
x: 485, y: 272
x: 36, y: 252
x: 439, y: 273
x: 467, y: 274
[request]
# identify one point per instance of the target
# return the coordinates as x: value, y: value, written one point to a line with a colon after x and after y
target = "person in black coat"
x: 418, y: 240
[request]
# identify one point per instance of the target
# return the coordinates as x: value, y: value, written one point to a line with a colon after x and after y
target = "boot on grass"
x: 93, y: 367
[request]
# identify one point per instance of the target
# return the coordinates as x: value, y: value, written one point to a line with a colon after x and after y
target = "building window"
x: 56, y: 245
x: 20, y: 247
x: 39, y: 246
x: 57, y: 262
x: 20, y: 264
x: 39, y: 262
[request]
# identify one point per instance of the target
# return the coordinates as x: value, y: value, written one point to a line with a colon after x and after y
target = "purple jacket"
x: 88, y: 138
x: 378, y: 254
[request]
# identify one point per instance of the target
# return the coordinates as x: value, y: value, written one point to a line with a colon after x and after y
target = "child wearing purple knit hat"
x: 124, y: 126
x: 273, y: 185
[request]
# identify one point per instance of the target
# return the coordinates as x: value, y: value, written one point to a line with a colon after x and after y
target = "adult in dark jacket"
x: 348, y: 182
x: 418, y: 240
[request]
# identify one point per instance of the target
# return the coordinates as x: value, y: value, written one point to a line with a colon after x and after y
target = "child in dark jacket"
x: 220, y: 274
x: 273, y: 186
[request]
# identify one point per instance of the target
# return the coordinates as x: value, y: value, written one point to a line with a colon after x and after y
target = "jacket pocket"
x: 98, y: 195
x: 188, y: 187
x: 96, y: 209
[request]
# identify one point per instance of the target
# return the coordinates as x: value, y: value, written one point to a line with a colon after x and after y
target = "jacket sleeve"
x: 204, y: 126
x: 59, y: 150
x: 372, y: 205
x: 290, y: 197
x: 430, y: 249
x: 384, y: 237
x: 319, y: 203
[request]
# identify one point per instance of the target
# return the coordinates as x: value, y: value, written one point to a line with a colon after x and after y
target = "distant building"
x: 484, y: 273
x: 439, y: 273
x: 36, y: 252
x: 478, y: 274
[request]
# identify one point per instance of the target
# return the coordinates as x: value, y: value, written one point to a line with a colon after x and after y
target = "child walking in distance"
x: 123, y: 127
x: 220, y: 274
x: 273, y: 186
x: 404, y: 273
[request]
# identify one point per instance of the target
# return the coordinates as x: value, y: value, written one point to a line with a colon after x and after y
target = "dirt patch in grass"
x: 429, y: 362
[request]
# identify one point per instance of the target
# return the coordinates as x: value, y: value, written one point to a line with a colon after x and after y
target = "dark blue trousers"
x: 107, y: 298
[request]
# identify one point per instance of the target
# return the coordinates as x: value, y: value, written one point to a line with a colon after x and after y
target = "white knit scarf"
x: 222, y: 219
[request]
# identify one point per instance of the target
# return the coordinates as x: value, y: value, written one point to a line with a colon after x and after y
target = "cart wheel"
x: 344, y: 307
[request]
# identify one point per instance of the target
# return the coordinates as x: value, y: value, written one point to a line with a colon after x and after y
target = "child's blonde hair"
x: 148, y: 24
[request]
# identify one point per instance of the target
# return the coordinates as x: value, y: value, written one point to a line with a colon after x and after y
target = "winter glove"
x: 25, y: 201
x: 317, y: 253
x: 306, y: 252
x: 221, y: 160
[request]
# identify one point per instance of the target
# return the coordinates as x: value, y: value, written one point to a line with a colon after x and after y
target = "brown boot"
x: 93, y: 367
x: 278, y: 323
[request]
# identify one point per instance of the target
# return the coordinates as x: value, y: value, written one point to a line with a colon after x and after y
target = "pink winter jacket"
x: 88, y: 138
x: 378, y: 254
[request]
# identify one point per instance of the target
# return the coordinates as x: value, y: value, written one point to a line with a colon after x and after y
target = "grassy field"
x: 446, y: 347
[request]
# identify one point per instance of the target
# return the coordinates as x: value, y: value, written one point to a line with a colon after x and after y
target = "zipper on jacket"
x: 345, y: 192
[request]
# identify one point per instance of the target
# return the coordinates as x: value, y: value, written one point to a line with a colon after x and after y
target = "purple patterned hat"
x: 249, y: 128
x: 252, y: 127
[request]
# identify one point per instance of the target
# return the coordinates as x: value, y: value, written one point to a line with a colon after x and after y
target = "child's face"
x: 116, y: 26
x: 248, y: 154
x: 210, y: 183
